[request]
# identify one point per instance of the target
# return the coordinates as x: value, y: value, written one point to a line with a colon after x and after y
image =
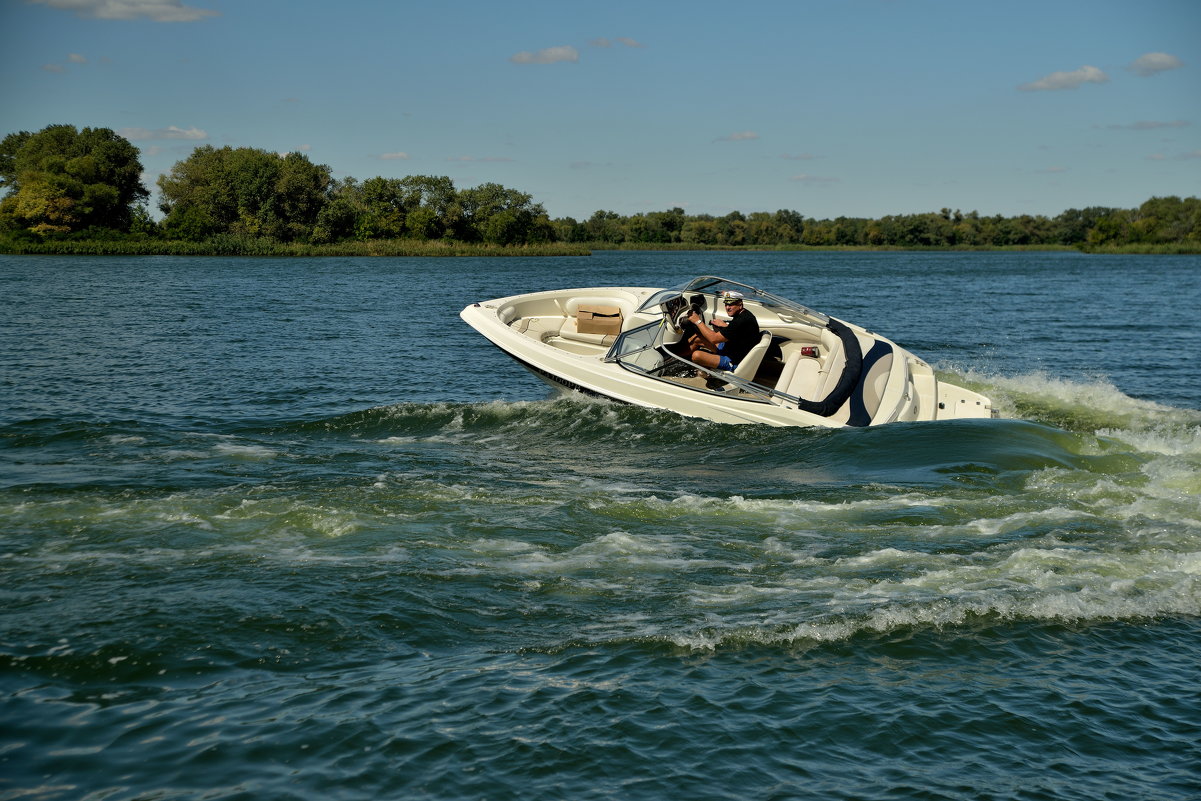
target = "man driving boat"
x: 721, y: 344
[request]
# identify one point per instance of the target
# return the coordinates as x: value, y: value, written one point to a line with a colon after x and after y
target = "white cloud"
x: 806, y: 178
x: 549, y: 55
x: 1053, y: 170
x: 60, y: 68
x: 397, y: 156
x: 628, y: 42
x: 1066, y: 80
x: 156, y: 10
x: 798, y: 156
x: 170, y: 132
x: 1149, y: 64
x: 741, y: 136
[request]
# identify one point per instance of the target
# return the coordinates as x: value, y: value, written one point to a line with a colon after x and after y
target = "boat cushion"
x: 799, y: 376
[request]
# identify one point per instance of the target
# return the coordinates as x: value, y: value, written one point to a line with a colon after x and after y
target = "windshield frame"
x: 712, y: 285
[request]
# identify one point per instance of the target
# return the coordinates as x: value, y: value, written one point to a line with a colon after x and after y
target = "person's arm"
x: 711, y: 335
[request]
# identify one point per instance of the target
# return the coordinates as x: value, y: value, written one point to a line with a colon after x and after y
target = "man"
x: 720, y: 345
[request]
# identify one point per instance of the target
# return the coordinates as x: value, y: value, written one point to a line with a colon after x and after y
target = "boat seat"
x: 812, y: 379
x: 749, y: 365
x: 799, y: 374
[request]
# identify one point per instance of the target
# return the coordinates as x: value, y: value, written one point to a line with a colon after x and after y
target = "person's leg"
x: 697, y: 343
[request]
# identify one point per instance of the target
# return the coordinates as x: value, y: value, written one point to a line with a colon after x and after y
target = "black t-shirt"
x: 742, y: 334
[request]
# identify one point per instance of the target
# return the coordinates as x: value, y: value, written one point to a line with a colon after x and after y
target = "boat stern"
x: 957, y: 403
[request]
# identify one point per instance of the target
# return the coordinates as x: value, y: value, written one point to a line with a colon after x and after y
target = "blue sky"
x: 857, y: 108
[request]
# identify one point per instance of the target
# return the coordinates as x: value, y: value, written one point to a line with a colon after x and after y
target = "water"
x: 289, y: 529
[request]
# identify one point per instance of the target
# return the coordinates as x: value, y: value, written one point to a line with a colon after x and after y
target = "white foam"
x: 1160, y: 439
x: 125, y: 439
x: 245, y: 452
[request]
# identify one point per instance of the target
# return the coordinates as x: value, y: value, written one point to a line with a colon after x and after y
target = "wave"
x: 1083, y: 406
x: 686, y: 533
x: 1046, y: 424
x: 1076, y: 406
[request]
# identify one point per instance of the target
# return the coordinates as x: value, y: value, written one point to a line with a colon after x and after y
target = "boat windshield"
x: 637, y: 350
x: 666, y: 299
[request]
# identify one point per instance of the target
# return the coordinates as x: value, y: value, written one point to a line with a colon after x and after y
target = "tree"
x: 700, y: 231
x: 501, y: 216
x: 433, y: 206
x: 62, y: 180
x: 384, y: 212
x: 337, y: 219
x: 1071, y: 227
x: 244, y: 191
x: 604, y: 226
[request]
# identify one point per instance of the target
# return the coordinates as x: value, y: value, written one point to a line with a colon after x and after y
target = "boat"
x: 807, y: 369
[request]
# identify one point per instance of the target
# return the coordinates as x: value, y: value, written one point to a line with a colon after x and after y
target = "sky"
x: 861, y: 108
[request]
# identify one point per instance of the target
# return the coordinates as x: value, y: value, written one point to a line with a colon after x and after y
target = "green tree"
x: 339, y: 217
x: 567, y: 229
x: 502, y: 216
x: 62, y: 179
x: 1109, y: 230
x: 384, y: 211
x: 244, y: 191
x: 646, y: 228
x: 701, y: 230
x: 605, y: 226
x: 1162, y: 220
x: 1072, y: 226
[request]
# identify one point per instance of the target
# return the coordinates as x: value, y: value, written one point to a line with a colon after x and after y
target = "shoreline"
x: 415, y: 248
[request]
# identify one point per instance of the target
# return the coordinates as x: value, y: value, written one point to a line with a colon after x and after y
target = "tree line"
x: 1158, y: 223
x: 66, y: 183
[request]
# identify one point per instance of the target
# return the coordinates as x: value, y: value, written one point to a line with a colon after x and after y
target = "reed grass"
x: 1183, y: 248
x: 230, y: 245
x: 694, y: 246
x: 249, y: 246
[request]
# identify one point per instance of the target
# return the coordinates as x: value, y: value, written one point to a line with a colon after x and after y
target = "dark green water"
x: 289, y: 529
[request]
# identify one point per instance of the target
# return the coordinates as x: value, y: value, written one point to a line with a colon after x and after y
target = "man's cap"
x: 733, y: 296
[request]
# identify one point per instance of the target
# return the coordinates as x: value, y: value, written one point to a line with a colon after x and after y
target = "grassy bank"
x: 244, y: 246
x: 1167, y: 249
x: 684, y: 246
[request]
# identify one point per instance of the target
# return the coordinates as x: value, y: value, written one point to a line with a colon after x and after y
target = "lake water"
x: 289, y: 529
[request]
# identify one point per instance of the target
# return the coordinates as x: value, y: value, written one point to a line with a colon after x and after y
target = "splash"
x: 1076, y: 405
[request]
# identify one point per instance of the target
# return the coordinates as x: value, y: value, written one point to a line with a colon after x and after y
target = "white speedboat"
x: 808, y: 369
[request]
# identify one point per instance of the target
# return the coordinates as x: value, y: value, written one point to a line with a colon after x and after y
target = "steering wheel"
x: 695, y: 304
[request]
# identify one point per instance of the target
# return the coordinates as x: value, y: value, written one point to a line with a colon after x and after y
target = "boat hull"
x: 544, y: 332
